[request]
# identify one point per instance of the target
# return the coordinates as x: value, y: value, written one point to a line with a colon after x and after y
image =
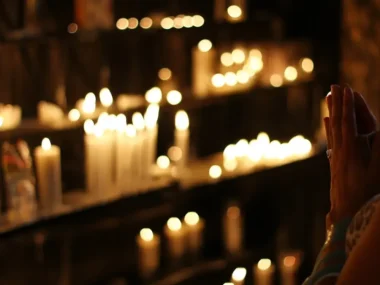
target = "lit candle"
x: 238, y: 276
x: 139, y: 152
x: 229, y: 158
x: 48, y: 166
x: 181, y: 138
x: 194, y: 228
x: 263, y: 272
x: 148, y: 252
x: 124, y: 149
x: 233, y: 230
x: 203, y: 65
x: 151, y: 117
x: 88, y: 105
x: 289, y: 265
x: 176, y: 237
x: 98, y: 160
x: 105, y: 97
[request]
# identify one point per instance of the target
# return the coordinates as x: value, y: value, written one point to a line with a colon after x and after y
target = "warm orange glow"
x: 46, y: 144
x: 146, y: 23
x: 215, y: 171
x: 174, y: 224
x: 72, y: 28
x: 290, y: 73
x: 164, y: 74
x: 289, y: 261
x: 133, y: 23
x: 234, y: 11
x: 205, y: 45
x: 122, y: 24
x: 307, y: 65
x: 276, y: 80
x: 264, y: 264
x: 167, y: 23
x: 233, y: 212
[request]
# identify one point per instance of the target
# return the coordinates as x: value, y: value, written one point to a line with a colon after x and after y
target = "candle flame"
x: 151, y: 115
x: 121, y: 122
x: 174, y: 224
x: 215, y: 171
x: 130, y: 130
x: 163, y: 162
x: 233, y: 212
x: 153, y: 95
x: 191, y: 218
x: 174, y: 97
x: 234, y: 11
x: 106, y: 98
x: 146, y: 234
x: 74, y: 115
x: 289, y: 261
x: 182, y: 120
x: 138, y: 121
x: 89, y: 126
x: 264, y: 264
x: 1, y: 121
x: 45, y: 144
x: 239, y: 274
x: 205, y: 45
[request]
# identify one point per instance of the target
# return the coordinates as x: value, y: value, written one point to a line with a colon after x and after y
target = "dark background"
x: 283, y: 207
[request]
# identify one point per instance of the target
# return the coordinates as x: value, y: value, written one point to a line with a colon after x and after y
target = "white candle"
x: 176, y: 238
x: 151, y: 117
x: 194, y: 228
x: 263, y: 272
x: 288, y: 267
x: 124, y: 148
x: 181, y: 138
x: 233, y: 230
x: 229, y: 158
x: 98, y: 158
x: 48, y: 166
x: 203, y: 65
x: 148, y: 251
x: 238, y: 276
x: 140, y: 151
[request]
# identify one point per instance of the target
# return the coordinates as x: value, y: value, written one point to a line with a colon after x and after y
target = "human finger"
x: 336, y: 118
x: 326, y: 122
x: 349, y: 131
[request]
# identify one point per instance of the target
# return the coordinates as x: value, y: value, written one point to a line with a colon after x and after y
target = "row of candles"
x: 186, y: 237
x: 238, y: 68
x: 156, y: 21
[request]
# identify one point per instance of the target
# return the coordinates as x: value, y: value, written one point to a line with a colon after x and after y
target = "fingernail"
x: 335, y: 88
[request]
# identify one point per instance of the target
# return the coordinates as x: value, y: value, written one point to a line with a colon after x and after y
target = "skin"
x: 354, y: 171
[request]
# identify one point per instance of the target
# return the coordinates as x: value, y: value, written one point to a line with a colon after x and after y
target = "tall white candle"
x: 181, y: 138
x: 148, y: 252
x: 98, y: 159
x: 263, y: 272
x: 123, y: 153
x: 176, y: 238
x: 139, y: 152
x: 151, y: 117
x: 238, y: 276
x: 233, y: 230
x: 48, y: 164
x: 203, y: 65
x: 194, y: 228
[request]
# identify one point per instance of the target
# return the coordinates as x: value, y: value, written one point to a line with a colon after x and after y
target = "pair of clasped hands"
x: 354, y: 152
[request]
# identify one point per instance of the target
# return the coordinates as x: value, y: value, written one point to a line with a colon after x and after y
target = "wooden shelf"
x: 197, y: 176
